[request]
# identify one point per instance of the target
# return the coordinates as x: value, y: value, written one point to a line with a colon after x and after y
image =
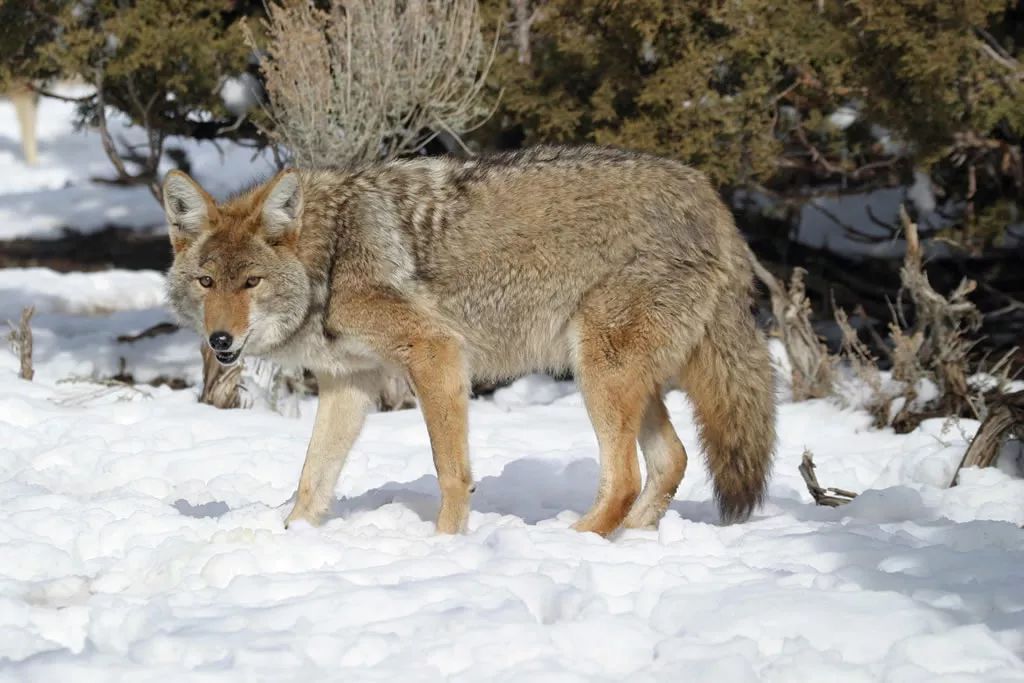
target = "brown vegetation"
x: 371, y: 80
x: 20, y: 338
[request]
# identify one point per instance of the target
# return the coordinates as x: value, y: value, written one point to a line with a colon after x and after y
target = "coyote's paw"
x: 302, y: 513
x: 592, y: 525
x: 599, y: 521
x: 643, y: 516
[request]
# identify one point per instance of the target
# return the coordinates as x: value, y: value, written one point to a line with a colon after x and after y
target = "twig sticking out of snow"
x: 830, y: 497
x: 1005, y: 417
x: 812, y: 365
x: 943, y: 323
x: 104, y: 386
x: 21, y: 342
x: 220, y: 383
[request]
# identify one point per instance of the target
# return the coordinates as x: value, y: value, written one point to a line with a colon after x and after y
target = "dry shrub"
x: 367, y: 80
x: 935, y: 348
x: 20, y: 339
x: 864, y: 365
x: 1005, y: 421
x: 943, y: 323
x: 812, y: 367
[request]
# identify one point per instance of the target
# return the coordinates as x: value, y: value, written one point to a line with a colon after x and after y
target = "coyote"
x: 625, y: 268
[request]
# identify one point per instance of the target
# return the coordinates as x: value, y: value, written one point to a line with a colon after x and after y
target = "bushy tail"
x: 730, y: 381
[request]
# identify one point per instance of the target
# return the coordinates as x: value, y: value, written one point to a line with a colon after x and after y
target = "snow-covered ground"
x: 141, y: 533
x: 142, y: 539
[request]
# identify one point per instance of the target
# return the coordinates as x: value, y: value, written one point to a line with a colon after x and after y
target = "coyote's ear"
x: 187, y: 206
x: 282, y: 208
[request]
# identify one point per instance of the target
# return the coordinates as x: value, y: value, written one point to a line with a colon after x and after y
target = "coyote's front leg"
x: 341, y: 411
x: 439, y: 376
x: 409, y: 336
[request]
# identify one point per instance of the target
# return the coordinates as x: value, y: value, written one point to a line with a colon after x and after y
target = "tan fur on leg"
x: 616, y: 390
x: 404, y: 333
x: 436, y: 370
x: 613, y: 408
x: 342, y: 408
x: 666, y: 463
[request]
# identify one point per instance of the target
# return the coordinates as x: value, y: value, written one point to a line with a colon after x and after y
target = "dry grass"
x: 934, y: 349
x: 812, y: 366
x: 368, y: 80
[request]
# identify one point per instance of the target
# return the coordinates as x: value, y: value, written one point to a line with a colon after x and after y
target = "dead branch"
x: 103, y: 387
x: 155, y: 141
x: 829, y: 497
x: 1005, y: 418
x: 220, y: 383
x: 943, y: 323
x: 20, y: 339
x: 865, y: 366
x: 812, y: 366
x: 523, y: 22
x: 153, y: 331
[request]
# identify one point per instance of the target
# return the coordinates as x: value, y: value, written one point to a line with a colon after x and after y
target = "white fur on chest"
x: 312, y: 350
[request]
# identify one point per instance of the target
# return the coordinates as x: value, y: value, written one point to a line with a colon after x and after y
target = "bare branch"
x: 63, y: 98
x: 364, y: 81
x: 524, y: 20
x: 829, y: 497
x: 154, y: 138
x: 1004, y: 419
x: 153, y: 331
x: 20, y: 338
x: 812, y: 366
x: 108, y: 142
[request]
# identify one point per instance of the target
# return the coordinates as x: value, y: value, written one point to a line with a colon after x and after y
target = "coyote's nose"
x: 220, y: 341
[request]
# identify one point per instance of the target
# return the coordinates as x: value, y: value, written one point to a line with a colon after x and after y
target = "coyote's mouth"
x: 228, y: 357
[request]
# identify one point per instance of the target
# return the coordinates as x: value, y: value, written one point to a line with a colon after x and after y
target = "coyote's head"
x: 236, y: 275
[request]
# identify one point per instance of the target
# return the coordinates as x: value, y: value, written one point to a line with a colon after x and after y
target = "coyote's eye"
x: 206, y: 281
x: 253, y: 281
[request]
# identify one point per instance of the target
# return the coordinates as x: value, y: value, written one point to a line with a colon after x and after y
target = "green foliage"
x: 24, y: 29
x: 159, y: 61
x: 744, y: 89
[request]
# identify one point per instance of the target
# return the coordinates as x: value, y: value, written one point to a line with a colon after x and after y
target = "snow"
x: 241, y: 93
x: 62, y: 191
x: 845, y: 116
x: 875, y: 215
x: 142, y: 539
x: 921, y: 193
x: 80, y: 315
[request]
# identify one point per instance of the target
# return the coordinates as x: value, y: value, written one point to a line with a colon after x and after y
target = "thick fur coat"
x: 625, y: 268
